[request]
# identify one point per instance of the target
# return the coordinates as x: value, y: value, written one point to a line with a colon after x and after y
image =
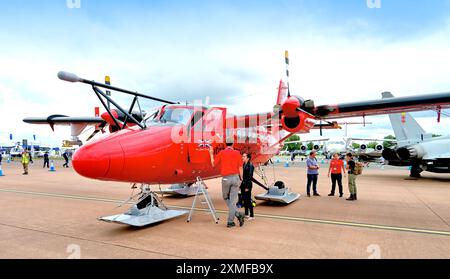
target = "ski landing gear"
x: 184, y: 189
x: 415, y: 171
x: 277, y: 192
x: 148, y: 209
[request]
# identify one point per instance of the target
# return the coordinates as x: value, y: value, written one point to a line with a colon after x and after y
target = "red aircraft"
x: 172, y: 145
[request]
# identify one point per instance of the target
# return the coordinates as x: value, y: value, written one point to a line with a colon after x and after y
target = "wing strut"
x: 95, y: 86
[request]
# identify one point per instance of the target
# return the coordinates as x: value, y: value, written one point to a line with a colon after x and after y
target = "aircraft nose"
x: 91, y: 162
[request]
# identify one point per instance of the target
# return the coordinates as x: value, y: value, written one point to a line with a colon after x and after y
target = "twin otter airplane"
x: 172, y: 145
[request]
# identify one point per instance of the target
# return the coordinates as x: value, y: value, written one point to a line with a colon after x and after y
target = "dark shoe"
x: 351, y: 198
x: 230, y: 225
x: 354, y: 197
x: 341, y: 195
x: 331, y: 195
x: 316, y: 194
x: 241, y: 219
x: 308, y: 195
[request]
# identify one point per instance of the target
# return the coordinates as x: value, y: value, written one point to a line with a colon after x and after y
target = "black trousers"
x: 312, y: 179
x: 66, y: 164
x: 336, y: 177
x: 247, y: 199
x: 46, y: 162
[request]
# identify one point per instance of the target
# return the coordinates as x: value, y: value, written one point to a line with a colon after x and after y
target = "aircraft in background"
x: 415, y: 147
x: 16, y: 150
x: 172, y: 145
x: 342, y: 146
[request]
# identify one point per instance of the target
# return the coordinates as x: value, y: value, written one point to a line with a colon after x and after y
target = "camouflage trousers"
x: 352, y: 184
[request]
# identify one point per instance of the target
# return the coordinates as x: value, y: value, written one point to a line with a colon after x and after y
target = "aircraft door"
x: 208, y: 131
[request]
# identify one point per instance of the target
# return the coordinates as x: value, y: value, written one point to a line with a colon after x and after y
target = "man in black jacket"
x: 66, y: 159
x: 246, y: 186
x: 46, y: 160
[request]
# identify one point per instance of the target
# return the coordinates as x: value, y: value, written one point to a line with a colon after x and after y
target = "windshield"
x: 176, y: 115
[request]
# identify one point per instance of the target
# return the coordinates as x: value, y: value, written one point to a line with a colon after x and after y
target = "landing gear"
x: 279, y: 193
x: 184, y: 190
x: 415, y: 171
x: 148, y: 209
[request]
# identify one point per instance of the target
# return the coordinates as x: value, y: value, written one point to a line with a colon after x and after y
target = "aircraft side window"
x: 196, y: 121
x: 229, y: 133
x: 211, y: 119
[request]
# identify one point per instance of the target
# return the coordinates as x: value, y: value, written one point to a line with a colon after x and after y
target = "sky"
x: 229, y: 51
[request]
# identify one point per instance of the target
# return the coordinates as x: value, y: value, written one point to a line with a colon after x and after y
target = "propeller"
x: 98, y: 129
x: 286, y: 56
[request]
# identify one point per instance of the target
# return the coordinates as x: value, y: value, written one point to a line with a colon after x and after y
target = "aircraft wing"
x: 306, y: 141
x: 384, y: 106
x: 77, y: 124
x: 57, y: 119
x: 64, y: 120
x: 373, y: 140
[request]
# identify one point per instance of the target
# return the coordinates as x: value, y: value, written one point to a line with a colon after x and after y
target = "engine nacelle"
x: 303, y: 148
x: 118, y: 115
x: 291, y: 124
x: 316, y: 147
x: 293, y: 118
x: 363, y: 147
x: 411, y: 152
x: 379, y: 147
x: 390, y: 154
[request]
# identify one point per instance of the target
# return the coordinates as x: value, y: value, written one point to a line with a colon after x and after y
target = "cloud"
x: 233, y: 56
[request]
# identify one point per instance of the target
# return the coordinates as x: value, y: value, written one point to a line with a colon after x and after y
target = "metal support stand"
x: 202, y: 190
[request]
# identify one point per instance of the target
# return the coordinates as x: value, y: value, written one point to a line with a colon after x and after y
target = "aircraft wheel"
x: 415, y: 172
x: 279, y: 184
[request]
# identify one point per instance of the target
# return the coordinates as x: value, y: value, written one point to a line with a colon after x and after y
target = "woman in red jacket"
x: 336, y: 169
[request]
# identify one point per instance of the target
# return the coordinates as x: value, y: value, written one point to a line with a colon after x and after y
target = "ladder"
x: 202, y: 190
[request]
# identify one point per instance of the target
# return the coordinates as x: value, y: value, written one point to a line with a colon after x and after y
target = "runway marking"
x: 269, y: 216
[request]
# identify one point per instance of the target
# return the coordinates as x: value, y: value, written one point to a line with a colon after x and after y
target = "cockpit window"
x: 176, y: 115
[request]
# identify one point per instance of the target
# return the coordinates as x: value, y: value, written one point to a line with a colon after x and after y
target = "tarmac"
x: 54, y: 215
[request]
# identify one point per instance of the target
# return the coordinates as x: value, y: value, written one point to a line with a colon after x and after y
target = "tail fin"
x: 282, y: 93
x: 406, y: 128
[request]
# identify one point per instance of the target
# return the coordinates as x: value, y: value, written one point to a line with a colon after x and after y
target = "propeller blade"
x: 100, y: 127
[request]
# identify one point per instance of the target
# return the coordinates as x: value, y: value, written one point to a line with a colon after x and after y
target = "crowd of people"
x: 237, y: 170
x: 27, y: 158
x: 231, y: 163
x: 336, y: 171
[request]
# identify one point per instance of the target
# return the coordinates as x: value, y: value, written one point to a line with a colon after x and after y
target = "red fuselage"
x: 154, y: 156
